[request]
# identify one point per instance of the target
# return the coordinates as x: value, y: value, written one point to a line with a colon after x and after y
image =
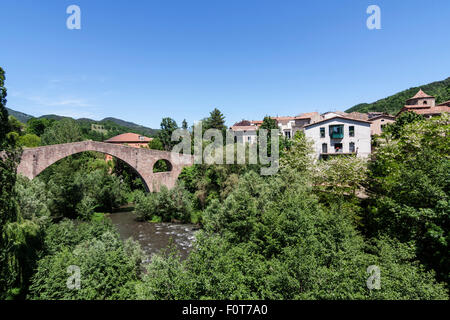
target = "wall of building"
x: 245, y: 136
x: 376, y: 125
x: 299, y: 124
x: 423, y: 102
x: 286, y: 126
x: 362, y: 138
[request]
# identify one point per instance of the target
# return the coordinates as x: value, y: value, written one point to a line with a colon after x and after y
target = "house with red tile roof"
x: 425, y: 105
x: 130, y: 139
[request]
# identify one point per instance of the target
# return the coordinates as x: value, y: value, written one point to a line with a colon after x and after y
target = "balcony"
x: 336, y: 135
x: 336, y: 131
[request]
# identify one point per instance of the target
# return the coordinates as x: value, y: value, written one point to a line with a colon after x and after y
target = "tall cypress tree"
x: 4, y: 125
x: 184, y: 124
x: 9, y: 157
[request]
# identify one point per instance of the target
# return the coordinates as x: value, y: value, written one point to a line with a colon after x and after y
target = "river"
x: 153, y: 237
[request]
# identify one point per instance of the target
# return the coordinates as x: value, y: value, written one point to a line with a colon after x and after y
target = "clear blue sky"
x: 144, y: 60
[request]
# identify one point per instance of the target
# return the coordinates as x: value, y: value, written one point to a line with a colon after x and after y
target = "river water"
x: 153, y: 237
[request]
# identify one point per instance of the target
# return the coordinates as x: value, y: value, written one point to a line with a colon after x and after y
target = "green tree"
x: 15, y: 125
x: 29, y: 140
x: 108, y: 266
x: 166, y: 205
x: 4, y: 123
x: 184, y: 125
x: 168, y: 126
x: 299, y: 155
x: 410, y: 183
x: 270, y: 124
x: 16, y: 235
x: 401, y: 121
x: 216, y: 120
x: 38, y: 126
x: 156, y: 144
x: 33, y: 199
x: 63, y: 131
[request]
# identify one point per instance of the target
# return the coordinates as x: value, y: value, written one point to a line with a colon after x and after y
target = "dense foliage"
x: 168, y: 126
x: 166, y: 205
x: 108, y: 266
x: 272, y: 239
x: 410, y: 180
x: 19, y: 237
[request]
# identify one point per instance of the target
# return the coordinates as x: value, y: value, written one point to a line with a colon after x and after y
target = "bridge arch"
x: 162, y: 163
x: 142, y: 160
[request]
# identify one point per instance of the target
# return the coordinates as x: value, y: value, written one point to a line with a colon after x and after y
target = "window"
x: 235, y: 139
x: 248, y: 139
x: 424, y: 102
x: 352, y: 147
x: 322, y: 132
x: 351, y: 131
x: 338, y: 147
x: 324, y: 148
x: 337, y: 131
x: 287, y: 134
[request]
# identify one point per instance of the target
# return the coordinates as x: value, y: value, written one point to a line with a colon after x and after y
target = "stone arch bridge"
x: 35, y: 160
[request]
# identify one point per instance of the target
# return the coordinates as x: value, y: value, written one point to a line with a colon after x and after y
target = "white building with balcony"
x: 339, y: 135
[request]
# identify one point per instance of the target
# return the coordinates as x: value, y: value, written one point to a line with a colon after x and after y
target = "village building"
x: 378, y: 122
x: 290, y: 125
x: 340, y: 135
x: 425, y: 105
x: 129, y: 139
x: 246, y: 131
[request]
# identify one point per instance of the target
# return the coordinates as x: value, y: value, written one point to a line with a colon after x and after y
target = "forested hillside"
x: 393, y: 104
x: 113, y: 126
x: 22, y: 117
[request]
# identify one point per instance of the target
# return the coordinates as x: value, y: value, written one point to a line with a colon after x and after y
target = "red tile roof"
x: 307, y: 115
x: 242, y: 123
x: 129, y: 138
x: 420, y: 95
x: 446, y: 103
x: 433, y: 110
x: 244, y: 128
x: 358, y: 116
x: 386, y: 116
x: 283, y: 118
x: 426, y: 109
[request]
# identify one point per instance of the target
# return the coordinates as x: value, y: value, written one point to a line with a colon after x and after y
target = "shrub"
x: 169, y: 205
x: 108, y: 266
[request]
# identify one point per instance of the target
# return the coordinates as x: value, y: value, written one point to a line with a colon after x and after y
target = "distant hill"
x: 130, y: 125
x: 22, y: 117
x: 393, y: 104
x: 114, y: 124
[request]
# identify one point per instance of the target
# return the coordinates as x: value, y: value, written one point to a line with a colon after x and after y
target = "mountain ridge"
x: 24, y: 118
x: 393, y: 104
